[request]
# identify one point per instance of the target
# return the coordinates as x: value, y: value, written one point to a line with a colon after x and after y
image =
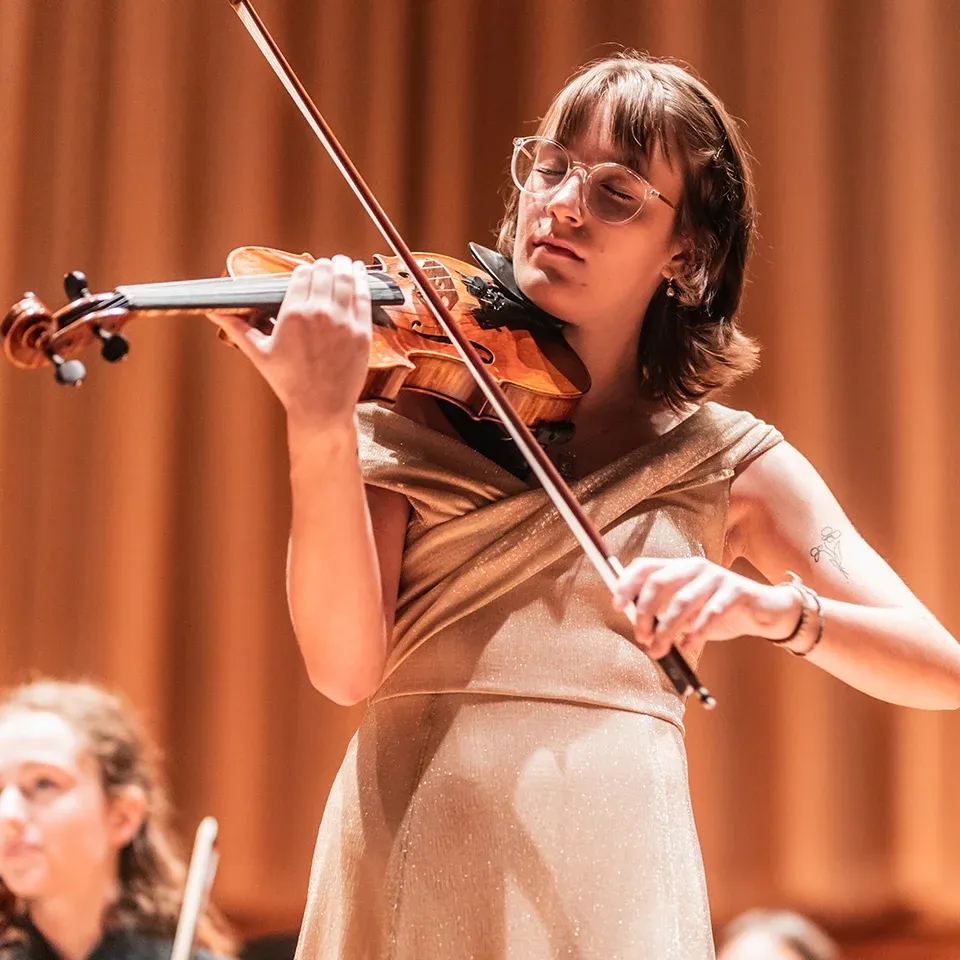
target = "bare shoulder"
x: 780, y: 473
x: 748, y: 489
x: 780, y: 486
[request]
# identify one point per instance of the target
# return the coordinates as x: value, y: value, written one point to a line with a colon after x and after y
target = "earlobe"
x: 128, y: 810
x: 680, y: 261
x: 683, y: 256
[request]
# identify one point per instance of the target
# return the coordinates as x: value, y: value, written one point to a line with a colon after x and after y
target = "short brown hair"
x: 151, y: 871
x: 690, y: 345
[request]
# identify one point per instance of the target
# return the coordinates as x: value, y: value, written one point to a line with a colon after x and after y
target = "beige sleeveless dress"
x: 518, y: 785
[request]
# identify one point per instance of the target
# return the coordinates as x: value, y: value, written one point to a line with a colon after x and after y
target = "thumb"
x: 236, y: 330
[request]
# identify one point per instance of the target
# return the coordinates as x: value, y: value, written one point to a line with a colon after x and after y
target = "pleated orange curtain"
x: 143, y: 519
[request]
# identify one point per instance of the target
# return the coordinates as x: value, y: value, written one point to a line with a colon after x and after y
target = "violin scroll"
x: 33, y: 335
x: 27, y: 331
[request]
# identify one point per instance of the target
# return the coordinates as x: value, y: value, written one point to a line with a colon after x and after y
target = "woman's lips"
x: 555, y: 250
x: 17, y: 849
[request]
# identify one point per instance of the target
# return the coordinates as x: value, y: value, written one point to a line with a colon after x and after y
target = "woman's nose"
x: 567, y: 203
x: 12, y: 809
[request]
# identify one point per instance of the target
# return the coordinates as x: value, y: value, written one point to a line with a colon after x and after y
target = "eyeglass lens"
x: 611, y: 191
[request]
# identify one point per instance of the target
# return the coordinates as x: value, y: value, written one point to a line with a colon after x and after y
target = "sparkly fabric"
x: 518, y: 784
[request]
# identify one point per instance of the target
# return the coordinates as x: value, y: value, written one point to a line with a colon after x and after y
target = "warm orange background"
x: 143, y: 519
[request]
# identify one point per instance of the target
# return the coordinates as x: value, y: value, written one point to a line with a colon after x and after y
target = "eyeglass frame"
x: 652, y: 191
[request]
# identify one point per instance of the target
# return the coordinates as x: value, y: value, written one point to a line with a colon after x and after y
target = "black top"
x: 27, y: 943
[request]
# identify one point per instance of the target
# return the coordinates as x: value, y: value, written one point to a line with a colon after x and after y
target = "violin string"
x: 229, y: 291
x: 117, y: 300
x: 270, y: 282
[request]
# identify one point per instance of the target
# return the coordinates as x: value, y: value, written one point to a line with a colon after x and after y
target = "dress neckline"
x: 676, y: 431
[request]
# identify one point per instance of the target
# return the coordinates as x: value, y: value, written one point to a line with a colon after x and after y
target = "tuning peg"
x: 69, y: 373
x: 114, y: 346
x: 75, y: 285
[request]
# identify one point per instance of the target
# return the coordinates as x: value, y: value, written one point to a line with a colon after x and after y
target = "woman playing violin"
x: 87, y: 864
x: 518, y: 784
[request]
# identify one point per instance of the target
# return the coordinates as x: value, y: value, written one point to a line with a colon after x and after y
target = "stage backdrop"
x: 143, y: 519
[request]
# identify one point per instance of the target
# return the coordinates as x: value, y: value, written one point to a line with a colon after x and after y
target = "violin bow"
x: 607, y: 565
x: 203, y: 868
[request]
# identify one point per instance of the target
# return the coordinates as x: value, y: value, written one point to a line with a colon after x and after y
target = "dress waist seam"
x: 559, y: 698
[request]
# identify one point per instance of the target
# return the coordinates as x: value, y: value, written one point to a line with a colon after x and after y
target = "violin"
x: 428, y: 308
x: 521, y: 345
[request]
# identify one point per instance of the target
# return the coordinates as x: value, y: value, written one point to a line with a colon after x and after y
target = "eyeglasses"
x: 612, y: 192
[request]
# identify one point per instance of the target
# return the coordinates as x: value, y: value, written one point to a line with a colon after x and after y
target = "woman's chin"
x: 25, y: 877
x: 544, y: 288
x: 25, y: 886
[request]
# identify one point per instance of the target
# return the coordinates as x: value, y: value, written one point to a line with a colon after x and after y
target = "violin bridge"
x: 441, y: 281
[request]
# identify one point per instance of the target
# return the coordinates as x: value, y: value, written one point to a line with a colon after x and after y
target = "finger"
x: 239, y: 332
x: 719, y: 605
x: 361, y: 292
x: 343, y: 285
x: 321, y: 284
x: 298, y: 292
x: 660, y: 587
x: 683, y: 609
x: 633, y: 578
x: 657, y: 594
x: 671, y: 627
x: 658, y: 647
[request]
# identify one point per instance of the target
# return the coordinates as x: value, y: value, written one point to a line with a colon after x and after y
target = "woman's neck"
x: 73, y: 924
x: 611, y: 356
x: 615, y: 410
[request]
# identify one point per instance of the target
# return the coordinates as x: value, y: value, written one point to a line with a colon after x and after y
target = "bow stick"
x: 203, y: 867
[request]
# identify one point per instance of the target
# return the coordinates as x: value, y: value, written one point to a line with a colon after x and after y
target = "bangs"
x: 637, y: 104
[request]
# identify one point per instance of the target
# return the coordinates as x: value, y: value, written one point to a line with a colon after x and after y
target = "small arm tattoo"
x: 829, y: 547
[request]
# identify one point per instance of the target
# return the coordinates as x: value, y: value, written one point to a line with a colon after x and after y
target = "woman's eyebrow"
x: 37, y: 766
x: 611, y: 154
x: 634, y: 160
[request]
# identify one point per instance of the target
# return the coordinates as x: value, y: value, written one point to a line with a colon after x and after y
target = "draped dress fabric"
x: 518, y: 784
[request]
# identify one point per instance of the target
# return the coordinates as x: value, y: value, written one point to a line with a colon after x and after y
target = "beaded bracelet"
x: 809, y: 600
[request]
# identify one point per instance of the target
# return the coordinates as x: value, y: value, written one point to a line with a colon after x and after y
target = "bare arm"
x: 878, y: 636
x: 346, y: 543
x: 343, y: 565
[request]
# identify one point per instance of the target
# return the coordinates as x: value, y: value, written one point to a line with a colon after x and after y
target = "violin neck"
x: 263, y: 291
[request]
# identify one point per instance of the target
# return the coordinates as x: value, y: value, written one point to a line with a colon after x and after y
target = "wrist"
x: 311, y: 441
x: 808, y: 631
x: 789, y: 608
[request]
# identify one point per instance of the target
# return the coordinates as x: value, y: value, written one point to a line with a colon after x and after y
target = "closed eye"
x: 617, y: 194
x: 42, y: 785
